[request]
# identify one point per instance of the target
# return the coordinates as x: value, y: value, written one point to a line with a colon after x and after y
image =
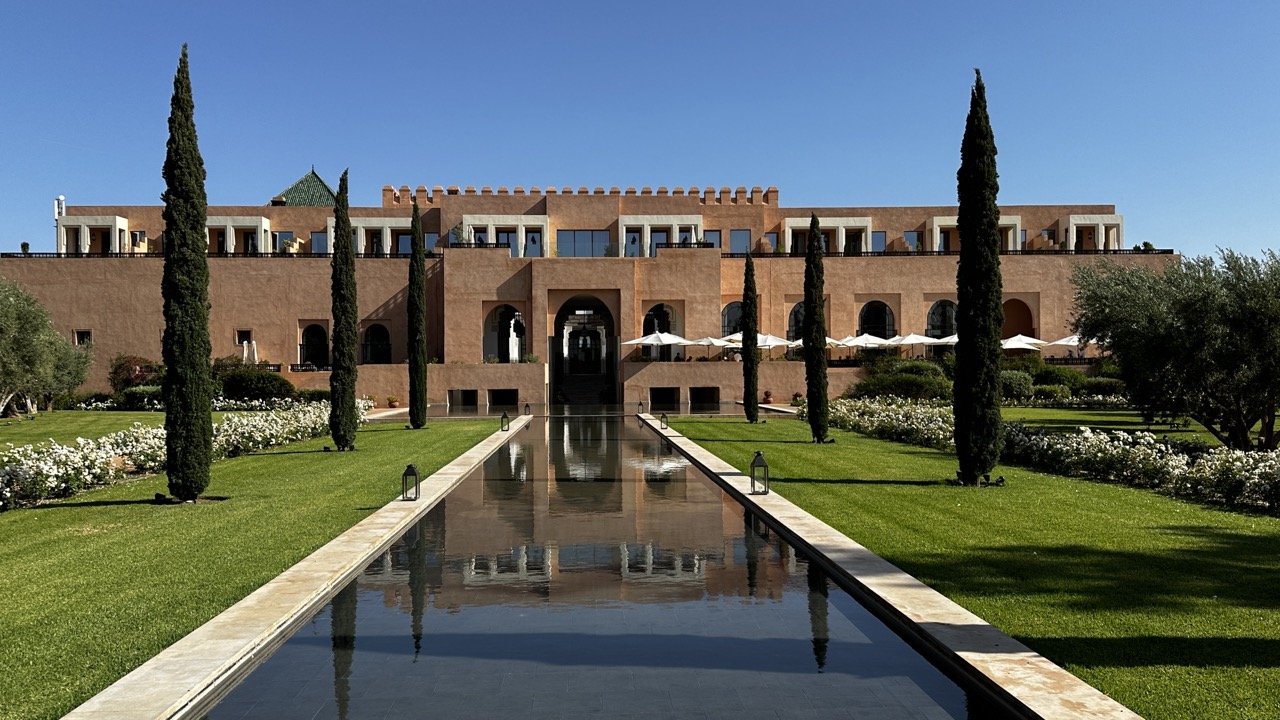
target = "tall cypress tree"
x: 815, y: 336
x: 750, y: 358
x: 344, y: 416
x: 417, y: 307
x: 979, y: 315
x: 185, y: 288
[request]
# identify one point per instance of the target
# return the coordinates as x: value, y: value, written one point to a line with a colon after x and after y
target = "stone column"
x: 84, y: 240
x: 644, y: 241
x: 520, y: 240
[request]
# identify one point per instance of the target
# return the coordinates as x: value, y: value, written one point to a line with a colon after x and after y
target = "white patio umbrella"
x: 714, y: 342
x: 1069, y: 341
x: 1014, y: 343
x: 864, y: 341
x: 658, y: 339
x: 913, y: 339
x: 764, y: 342
x: 831, y: 343
x: 948, y: 340
x: 1028, y: 340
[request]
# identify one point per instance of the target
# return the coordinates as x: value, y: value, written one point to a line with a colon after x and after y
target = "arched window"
x: 942, y: 319
x: 1017, y: 320
x: 876, y: 319
x: 660, y: 318
x: 314, y: 348
x: 795, y: 322
x: 731, y: 319
x: 504, y: 335
x: 377, y: 345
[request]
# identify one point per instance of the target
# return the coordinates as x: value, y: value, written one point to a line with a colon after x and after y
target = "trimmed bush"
x: 251, y: 384
x: 913, y: 387
x: 1052, y: 393
x: 1030, y: 363
x: 77, y: 401
x: 1059, y: 375
x: 1104, y: 386
x: 1015, y: 385
x: 133, y: 370
x: 142, y: 397
x: 923, y: 368
x: 313, y: 395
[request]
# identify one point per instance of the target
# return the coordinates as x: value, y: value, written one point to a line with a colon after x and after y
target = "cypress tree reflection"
x: 751, y: 542
x: 417, y: 585
x: 818, y: 614
x: 342, y: 632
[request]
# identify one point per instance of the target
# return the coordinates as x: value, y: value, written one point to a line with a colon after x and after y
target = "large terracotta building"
x: 532, y: 290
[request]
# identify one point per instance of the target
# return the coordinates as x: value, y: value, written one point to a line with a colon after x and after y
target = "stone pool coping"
x: 190, y: 676
x: 1028, y: 683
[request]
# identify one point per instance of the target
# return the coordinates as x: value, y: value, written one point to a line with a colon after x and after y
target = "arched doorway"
x: 584, y: 354
x: 1017, y: 320
x: 660, y: 318
x: 377, y: 345
x: 314, y: 348
x: 731, y: 319
x: 941, y: 323
x: 876, y: 319
x: 504, y: 337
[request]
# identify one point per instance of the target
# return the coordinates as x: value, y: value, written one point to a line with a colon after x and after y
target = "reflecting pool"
x: 587, y: 571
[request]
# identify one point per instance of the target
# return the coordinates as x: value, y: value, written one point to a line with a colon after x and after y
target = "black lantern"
x: 527, y: 411
x: 759, y: 474
x: 506, y: 421
x: 640, y: 408
x: 663, y: 418
x: 409, y: 480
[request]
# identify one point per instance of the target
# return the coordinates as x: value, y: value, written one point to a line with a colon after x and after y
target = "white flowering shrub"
x: 31, y: 473
x: 1078, y: 402
x: 1138, y: 459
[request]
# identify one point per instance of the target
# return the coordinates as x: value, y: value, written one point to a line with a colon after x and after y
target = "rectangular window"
x: 83, y: 337
x: 319, y: 243
x: 631, y: 245
x: 1022, y: 241
x: 404, y: 243
x: 1050, y: 235
x: 711, y: 237
x: 584, y: 243
x: 740, y: 241
x: 944, y: 240
x: 772, y: 239
x: 481, y: 235
x: 244, y: 336
x: 686, y: 235
x: 533, y: 243
x: 507, y: 237
x: 281, y: 241
x: 138, y: 237
x: 878, y: 240
x: 430, y: 240
x: 656, y: 238
x: 913, y: 239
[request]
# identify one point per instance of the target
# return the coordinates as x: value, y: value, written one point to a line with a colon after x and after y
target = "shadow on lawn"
x: 858, y: 481
x: 1206, y: 565
x: 1147, y: 651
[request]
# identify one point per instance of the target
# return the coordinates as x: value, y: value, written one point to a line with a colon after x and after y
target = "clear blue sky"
x: 1166, y: 109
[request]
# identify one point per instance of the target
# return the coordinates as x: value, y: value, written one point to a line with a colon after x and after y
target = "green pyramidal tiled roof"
x: 309, y: 191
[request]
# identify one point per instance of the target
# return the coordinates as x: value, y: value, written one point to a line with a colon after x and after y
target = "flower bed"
x: 30, y: 474
x: 1218, y: 475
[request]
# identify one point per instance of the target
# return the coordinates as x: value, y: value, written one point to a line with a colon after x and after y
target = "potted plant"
x: 393, y: 401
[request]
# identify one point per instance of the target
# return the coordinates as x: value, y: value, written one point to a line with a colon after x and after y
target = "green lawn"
x: 97, y: 584
x: 1169, y: 607
x: 1069, y: 419
x: 65, y: 426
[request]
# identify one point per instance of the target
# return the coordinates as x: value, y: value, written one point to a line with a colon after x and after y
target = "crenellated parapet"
x: 393, y: 197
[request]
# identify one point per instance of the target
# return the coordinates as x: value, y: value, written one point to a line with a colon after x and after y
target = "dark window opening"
x: 664, y: 398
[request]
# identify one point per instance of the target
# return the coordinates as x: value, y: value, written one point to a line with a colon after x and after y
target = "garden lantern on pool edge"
x: 663, y: 418
x: 505, y: 422
x: 410, y: 480
x: 759, y: 474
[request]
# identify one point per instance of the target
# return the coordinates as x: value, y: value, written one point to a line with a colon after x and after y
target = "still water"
x: 587, y: 571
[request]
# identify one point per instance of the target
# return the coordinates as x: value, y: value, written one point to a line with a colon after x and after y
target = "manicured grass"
x: 64, y: 426
x: 1070, y: 419
x: 1169, y: 607
x: 95, y: 585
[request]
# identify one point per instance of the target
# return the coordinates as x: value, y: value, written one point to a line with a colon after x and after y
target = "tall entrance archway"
x: 584, y: 354
x: 660, y: 318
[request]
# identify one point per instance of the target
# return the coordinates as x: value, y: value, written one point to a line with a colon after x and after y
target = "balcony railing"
x: 389, y: 256
x: 480, y: 245
x: 669, y: 246
x: 908, y: 253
